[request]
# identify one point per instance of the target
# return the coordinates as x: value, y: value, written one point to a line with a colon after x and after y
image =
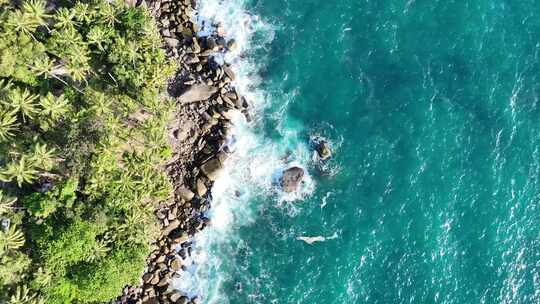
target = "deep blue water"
x: 432, y: 194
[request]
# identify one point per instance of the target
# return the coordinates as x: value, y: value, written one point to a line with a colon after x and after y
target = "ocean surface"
x: 432, y: 194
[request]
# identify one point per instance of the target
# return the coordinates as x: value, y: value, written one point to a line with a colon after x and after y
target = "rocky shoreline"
x: 206, y: 103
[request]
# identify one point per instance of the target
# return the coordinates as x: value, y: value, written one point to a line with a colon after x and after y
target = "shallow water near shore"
x: 432, y: 194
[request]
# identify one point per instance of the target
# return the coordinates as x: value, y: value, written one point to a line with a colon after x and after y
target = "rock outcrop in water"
x: 291, y: 179
x: 206, y: 104
x: 322, y: 148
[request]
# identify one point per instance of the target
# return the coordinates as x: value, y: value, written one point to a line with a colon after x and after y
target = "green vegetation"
x: 82, y: 146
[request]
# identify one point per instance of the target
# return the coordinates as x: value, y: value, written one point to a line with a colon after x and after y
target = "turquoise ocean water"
x: 432, y: 195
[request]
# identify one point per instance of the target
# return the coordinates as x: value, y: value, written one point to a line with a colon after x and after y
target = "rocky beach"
x: 199, y: 134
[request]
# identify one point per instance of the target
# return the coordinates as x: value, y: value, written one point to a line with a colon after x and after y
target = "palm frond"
x: 23, y: 102
x: 23, y: 171
x: 8, y: 125
x: 6, y: 203
x: 11, y: 239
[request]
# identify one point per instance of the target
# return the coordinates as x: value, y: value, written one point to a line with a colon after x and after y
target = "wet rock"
x: 230, y: 114
x: 175, y: 296
x: 229, y: 72
x: 197, y: 92
x: 323, y: 149
x: 201, y: 188
x: 291, y: 179
x: 221, y: 30
x: 176, y: 264
x: 212, y: 168
x: 211, y: 43
x: 231, y: 45
x: 180, y: 238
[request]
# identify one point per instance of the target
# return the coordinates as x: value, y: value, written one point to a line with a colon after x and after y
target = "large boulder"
x: 197, y: 92
x: 212, y: 168
x: 291, y: 178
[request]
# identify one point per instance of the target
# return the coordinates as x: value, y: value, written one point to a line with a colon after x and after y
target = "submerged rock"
x: 291, y: 178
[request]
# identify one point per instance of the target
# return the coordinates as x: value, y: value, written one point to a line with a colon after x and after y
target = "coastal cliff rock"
x: 291, y: 179
x: 198, y: 93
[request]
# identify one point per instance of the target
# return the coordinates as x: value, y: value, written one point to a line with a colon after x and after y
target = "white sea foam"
x: 254, y: 168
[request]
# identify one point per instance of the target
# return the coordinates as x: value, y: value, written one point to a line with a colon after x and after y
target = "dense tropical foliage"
x: 82, y: 144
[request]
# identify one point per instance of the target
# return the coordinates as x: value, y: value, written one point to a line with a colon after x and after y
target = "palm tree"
x: 78, y: 62
x: 43, y: 157
x: 8, y: 125
x: 54, y: 107
x: 6, y: 203
x: 5, y: 88
x: 82, y: 12
x: 23, y: 295
x: 132, y: 52
x: 11, y: 239
x: 23, y: 102
x: 78, y: 71
x: 22, y: 23
x: 100, y: 250
x: 97, y: 36
x: 36, y: 10
x: 23, y: 171
x: 65, y: 18
x: 108, y: 13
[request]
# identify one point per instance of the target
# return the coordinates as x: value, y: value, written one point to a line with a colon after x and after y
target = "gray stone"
x: 229, y: 72
x: 147, y: 277
x: 175, y: 296
x: 197, y: 92
x: 291, y: 178
x: 231, y: 45
x: 172, y: 225
x: 173, y: 42
x: 201, y: 188
x: 185, y: 193
x: 211, y: 43
x: 212, y: 168
x: 176, y: 264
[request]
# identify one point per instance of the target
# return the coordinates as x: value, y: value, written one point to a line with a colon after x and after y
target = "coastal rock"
x: 201, y: 188
x: 175, y: 296
x: 172, y: 42
x: 291, y: 178
x: 147, y: 277
x: 231, y: 45
x: 176, y: 264
x: 229, y: 72
x: 212, y: 168
x: 164, y: 281
x: 185, y: 193
x: 152, y: 300
x: 323, y: 150
x: 172, y: 225
x: 197, y: 92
